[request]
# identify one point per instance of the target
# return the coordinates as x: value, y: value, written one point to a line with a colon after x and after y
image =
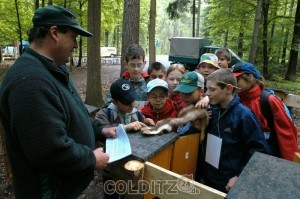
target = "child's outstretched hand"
x: 134, y: 126
x: 109, y: 132
x: 203, y: 103
x: 149, y: 122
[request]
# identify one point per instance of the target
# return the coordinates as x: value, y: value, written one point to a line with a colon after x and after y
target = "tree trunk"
x: 194, y: 16
x: 43, y: 3
x: 265, y: 8
x: 292, y: 68
x: 286, y: 36
x: 118, y: 39
x: 198, y: 19
x: 241, y: 44
x: 152, y: 53
x: 270, y: 49
x: 226, y: 31
x: 106, y: 34
x: 80, y: 52
x: 0, y: 54
x: 115, y: 37
x: 131, y: 26
x: 255, y: 33
x: 241, y: 40
x: 19, y: 47
x: 36, y: 4
x: 93, y: 87
x: 80, y: 38
x: 50, y: 2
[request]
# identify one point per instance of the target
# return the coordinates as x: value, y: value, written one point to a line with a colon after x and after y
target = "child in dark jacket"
x: 233, y: 134
x: 134, y: 63
x: 159, y: 106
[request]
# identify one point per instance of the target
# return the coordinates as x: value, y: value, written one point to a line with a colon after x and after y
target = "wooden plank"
x: 296, y: 157
x: 292, y: 100
x: 186, y: 153
x: 163, y: 158
x: 167, y: 184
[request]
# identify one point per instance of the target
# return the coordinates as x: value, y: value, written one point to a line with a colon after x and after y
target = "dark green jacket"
x: 49, y: 135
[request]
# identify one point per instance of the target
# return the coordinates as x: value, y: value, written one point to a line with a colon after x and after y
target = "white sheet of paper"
x: 118, y: 147
x: 213, y: 150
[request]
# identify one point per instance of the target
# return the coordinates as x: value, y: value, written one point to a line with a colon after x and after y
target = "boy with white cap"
x: 159, y: 106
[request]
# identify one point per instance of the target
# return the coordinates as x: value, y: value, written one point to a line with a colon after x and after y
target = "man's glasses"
x: 136, y: 65
x: 160, y: 97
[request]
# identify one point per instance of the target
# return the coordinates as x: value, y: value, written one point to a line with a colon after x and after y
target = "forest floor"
x: 109, y: 74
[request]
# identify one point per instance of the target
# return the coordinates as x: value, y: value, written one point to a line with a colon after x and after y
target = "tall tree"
x: 194, y: 17
x: 93, y: 87
x: 265, y: 9
x: 131, y: 26
x: 152, y: 52
x: 292, y: 69
x: 198, y: 19
x: 36, y: 4
x: 287, y: 33
x: 255, y: 32
x: 20, y: 47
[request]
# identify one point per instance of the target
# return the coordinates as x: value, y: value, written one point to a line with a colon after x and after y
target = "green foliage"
x: 176, y: 8
x: 8, y: 20
x: 280, y: 83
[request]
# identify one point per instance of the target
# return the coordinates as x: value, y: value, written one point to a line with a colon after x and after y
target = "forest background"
x: 264, y: 32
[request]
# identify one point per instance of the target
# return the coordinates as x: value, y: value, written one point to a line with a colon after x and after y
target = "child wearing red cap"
x: 282, y: 134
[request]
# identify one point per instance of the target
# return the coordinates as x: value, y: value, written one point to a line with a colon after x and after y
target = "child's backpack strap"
x: 266, y: 109
x: 108, y: 113
x: 140, y: 116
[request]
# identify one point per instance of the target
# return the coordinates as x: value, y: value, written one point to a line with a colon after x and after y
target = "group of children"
x: 236, y: 128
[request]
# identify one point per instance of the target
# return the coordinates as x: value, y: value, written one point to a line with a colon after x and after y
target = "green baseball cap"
x: 56, y: 15
x: 189, y: 82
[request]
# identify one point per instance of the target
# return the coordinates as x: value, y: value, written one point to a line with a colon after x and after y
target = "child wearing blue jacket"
x: 233, y: 134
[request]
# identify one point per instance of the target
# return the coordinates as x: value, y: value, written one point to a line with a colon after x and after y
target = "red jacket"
x: 126, y: 75
x: 169, y: 111
x: 285, y: 129
x: 177, y: 100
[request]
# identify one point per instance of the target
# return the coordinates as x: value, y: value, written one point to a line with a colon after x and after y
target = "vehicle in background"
x: 188, y: 50
x: 108, y: 52
x: 9, y: 53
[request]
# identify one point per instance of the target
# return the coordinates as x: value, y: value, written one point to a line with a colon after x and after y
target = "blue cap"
x: 245, y: 68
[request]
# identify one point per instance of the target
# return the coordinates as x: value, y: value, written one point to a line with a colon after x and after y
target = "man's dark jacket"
x: 49, y: 135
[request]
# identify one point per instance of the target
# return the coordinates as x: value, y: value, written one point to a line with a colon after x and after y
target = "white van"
x: 108, y: 52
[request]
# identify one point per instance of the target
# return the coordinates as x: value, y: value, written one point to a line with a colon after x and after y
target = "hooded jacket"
x: 169, y: 111
x: 285, y: 130
x: 111, y: 116
x: 241, y: 136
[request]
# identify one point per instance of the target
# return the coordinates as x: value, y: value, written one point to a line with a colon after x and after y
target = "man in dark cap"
x: 50, y: 137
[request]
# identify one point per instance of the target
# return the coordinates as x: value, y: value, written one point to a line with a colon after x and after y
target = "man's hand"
x: 134, y: 126
x: 101, y: 158
x: 110, y: 132
x: 230, y: 183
